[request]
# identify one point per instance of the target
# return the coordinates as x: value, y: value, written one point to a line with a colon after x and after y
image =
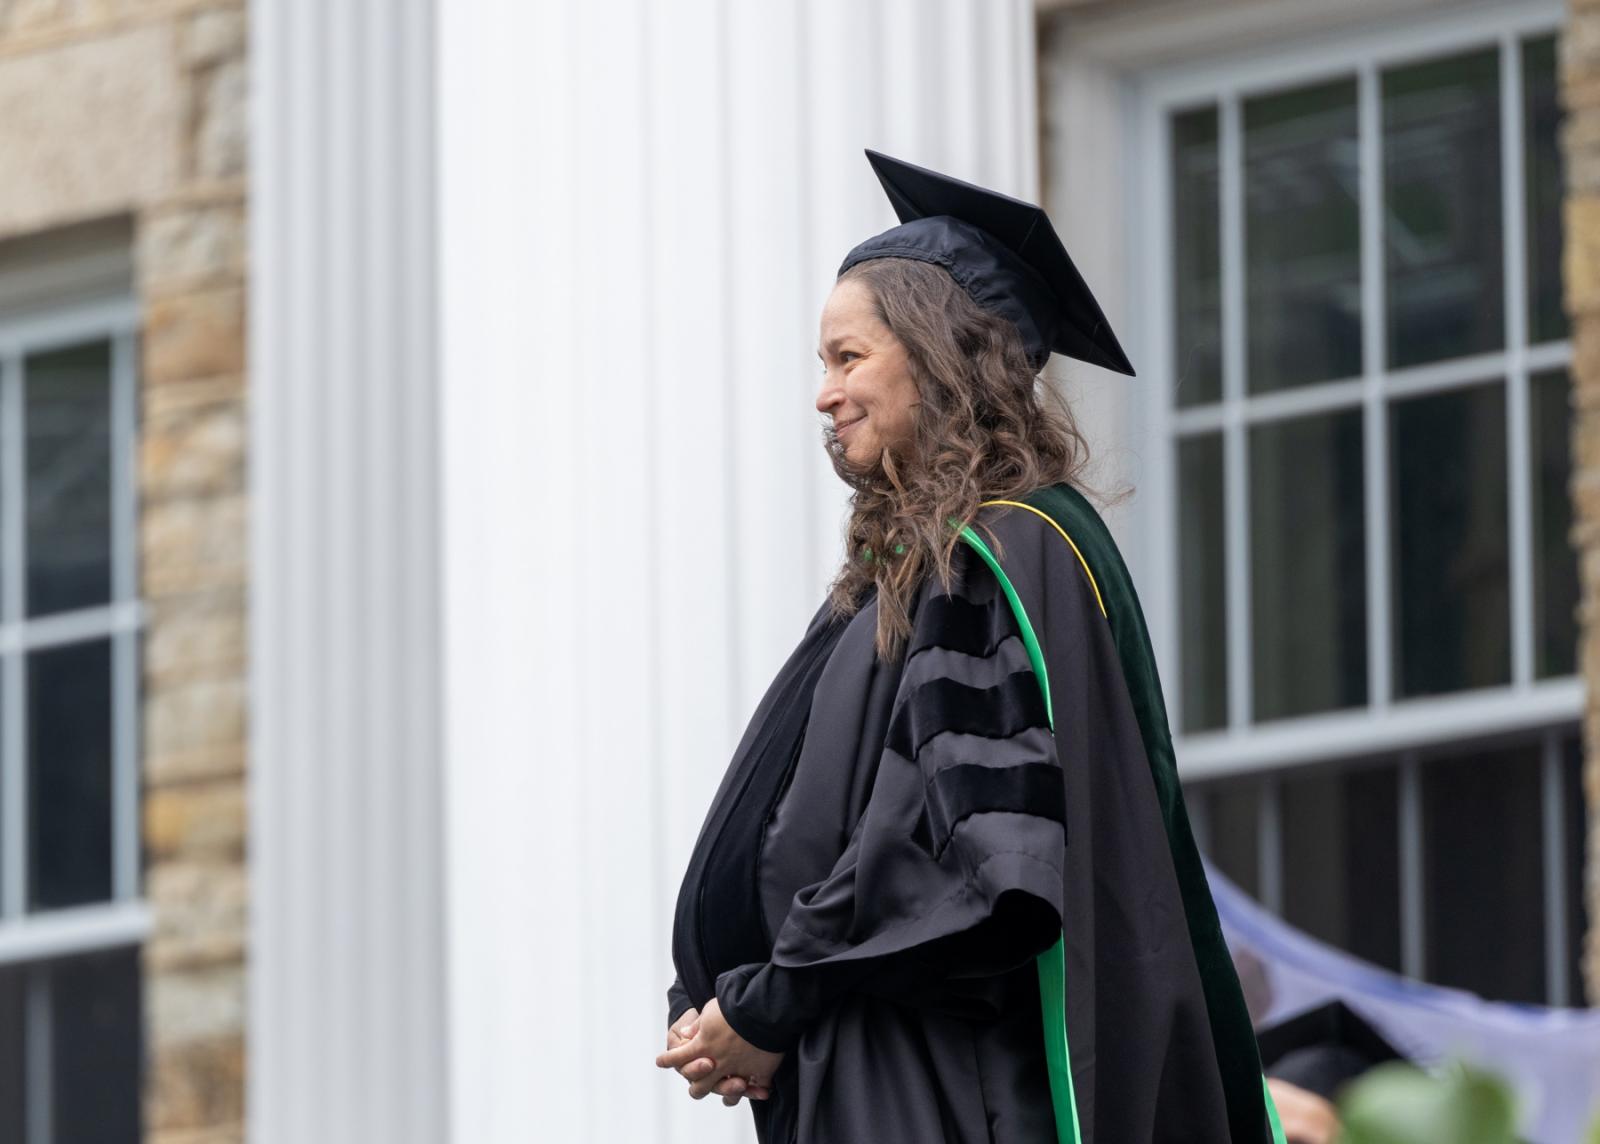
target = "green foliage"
x: 1400, y: 1104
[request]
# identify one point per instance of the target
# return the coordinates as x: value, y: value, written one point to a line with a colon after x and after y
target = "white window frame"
x: 31, y: 942
x: 125, y: 918
x: 1148, y: 88
x: 1385, y: 724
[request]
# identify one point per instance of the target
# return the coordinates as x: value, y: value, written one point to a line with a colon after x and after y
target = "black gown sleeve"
x: 953, y: 872
x: 770, y: 1005
x: 678, y: 1001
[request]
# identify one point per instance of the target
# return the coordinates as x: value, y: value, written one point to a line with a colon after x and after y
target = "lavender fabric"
x: 1551, y: 1056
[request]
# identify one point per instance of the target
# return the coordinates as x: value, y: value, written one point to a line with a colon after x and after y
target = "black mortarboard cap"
x: 1002, y: 251
x: 1322, y: 1048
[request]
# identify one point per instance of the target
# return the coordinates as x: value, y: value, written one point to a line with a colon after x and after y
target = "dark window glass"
x: 68, y: 426
x: 95, y: 1044
x: 1484, y: 869
x: 1308, y: 583
x: 1233, y: 816
x: 13, y: 1052
x: 1555, y: 563
x: 1197, y: 258
x: 1541, y: 130
x: 69, y: 774
x: 1451, y: 572
x: 1202, y: 583
x: 1302, y: 233
x: 7, y: 665
x: 1341, y: 859
x: 1442, y: 235
x: 1576, y: 830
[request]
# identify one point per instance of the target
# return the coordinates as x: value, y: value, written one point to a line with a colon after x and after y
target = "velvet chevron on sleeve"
x: 966, y: 800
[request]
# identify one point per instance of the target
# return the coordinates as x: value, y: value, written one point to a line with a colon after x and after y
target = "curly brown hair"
x: 987, y: 427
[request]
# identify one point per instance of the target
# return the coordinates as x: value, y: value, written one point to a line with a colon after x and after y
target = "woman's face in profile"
x: 867, y: 387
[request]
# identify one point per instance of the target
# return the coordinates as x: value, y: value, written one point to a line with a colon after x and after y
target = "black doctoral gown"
x: 895, y: 843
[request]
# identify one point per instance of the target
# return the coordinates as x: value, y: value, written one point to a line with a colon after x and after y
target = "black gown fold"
x: 908, y: 837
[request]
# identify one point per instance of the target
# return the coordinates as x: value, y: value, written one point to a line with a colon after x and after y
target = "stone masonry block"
x: 196, y: 820
x: 183, y: 717
x: 180, y: 398
x: 196, y: 452
x: 201, y: 914
x: 222, y: 139
x: 197, y: 636
x: 195, y: 335
x: 213, y: 35
x: 194, y: 543
x: 195, y: 1005
x: 185, y: 246
x: 89, y: 127
x: 196, y: 1085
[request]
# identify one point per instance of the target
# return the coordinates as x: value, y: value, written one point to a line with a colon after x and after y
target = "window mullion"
x: 1199, y: 812
x: 1413, y: 903
x: 1518, y: 447
x: 1235, y: 464
x: 1356, y: 733
x: 38, y: 1038
x: 125, y: 846
x: 1555, y: 872
x: 1269, y: 856
x: 1375, y: 482
x: 1552, y: 355
x: 1161, y: 533
x: 13, y: 743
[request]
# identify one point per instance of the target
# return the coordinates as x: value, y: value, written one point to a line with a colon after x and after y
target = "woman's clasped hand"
x: 707, y: 1053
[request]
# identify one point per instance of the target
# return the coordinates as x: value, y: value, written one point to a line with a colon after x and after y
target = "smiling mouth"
x: 840, y: 427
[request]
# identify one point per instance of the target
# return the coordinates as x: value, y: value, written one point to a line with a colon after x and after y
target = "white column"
x: 642, y: 209
x: 347, y: 1018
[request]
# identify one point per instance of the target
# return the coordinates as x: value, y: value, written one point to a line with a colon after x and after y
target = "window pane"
x: 1484, y: 873
x: 95, y: 1043
x: 7, y: 664
x: 1308, y: 583
x: 1555, y: 564
x: 1341, y: 860
x: 1302, y: 221
x: 69, y: 774
x: 1201, y: 582
x: 1577, y: 824
x: 1451, y: 575
x: 68, y: 427
x: 1441, y: 187
x: 13, y: 1052
x: 1541, y: 126
x: 1197, y: 257
x: 1233, y: 817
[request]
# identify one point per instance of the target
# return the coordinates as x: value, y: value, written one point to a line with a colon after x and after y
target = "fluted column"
x: 642, y: 209
x: 347, y: 1019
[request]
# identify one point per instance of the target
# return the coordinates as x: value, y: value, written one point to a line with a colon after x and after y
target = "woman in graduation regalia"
x: 947, y: 890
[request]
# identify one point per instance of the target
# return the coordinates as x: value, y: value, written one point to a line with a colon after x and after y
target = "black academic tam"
x: 1004, y: 252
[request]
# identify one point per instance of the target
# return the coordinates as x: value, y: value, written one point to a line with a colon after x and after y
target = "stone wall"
x: 138, y: 107
x: 1580, y: 94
